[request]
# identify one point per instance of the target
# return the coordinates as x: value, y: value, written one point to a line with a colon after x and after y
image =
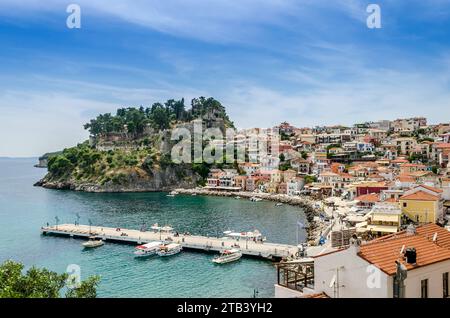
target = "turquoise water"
x: 24, y: 209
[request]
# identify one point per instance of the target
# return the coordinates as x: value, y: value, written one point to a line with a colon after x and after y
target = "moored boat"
x: 93, y: 242
x: 147, y: 249
x: 169, y: 249
x: 172, y: 193
x: 228, y: 256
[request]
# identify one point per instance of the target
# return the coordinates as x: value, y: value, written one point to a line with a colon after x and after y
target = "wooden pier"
x: 248, y: 247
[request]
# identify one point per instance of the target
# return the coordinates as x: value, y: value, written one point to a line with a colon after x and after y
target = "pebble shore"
x: 314, y: 229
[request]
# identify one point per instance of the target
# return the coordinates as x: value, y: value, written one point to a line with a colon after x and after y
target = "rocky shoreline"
x: 314, y: 229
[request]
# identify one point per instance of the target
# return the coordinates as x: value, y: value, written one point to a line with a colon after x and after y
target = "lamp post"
x: 90, y: 226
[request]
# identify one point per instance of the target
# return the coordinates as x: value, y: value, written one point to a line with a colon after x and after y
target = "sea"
x: 25, y: 208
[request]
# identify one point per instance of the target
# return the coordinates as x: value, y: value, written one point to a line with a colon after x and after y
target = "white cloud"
x: 379, y: 95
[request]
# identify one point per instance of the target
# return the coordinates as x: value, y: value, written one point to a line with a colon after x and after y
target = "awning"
x: 385, y: 217
x: 382, y: 228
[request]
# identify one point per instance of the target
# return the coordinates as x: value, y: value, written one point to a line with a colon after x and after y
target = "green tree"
x: 59, y: 165
x: 41, y: 283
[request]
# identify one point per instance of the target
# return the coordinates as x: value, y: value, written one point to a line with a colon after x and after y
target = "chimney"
x: 410, y: 229
x: 411, y: 255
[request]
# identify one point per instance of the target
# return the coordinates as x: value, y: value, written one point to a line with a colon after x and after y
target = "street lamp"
x: 90, y: 226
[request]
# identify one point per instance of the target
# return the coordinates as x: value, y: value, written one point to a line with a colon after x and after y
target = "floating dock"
x: 248, y: 247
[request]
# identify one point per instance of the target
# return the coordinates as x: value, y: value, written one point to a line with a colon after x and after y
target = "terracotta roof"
x: 420, y: 196
x: 405, y: 178
x: 443, y: 145
x: 399, y: 161
x: 437, y: 190
x: 373, y: 197
x: 413, y: 165
x: 385, y: 251
x: 320, y: 295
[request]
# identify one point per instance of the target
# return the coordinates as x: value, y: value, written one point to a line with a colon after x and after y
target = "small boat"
x: 93, y: 242
x: 228, y: 256
x: 279, y: 204
x: 194, y: 194
x: 237, y: 197
x: 255, y: 199
x: 169, y: 249
x: 147, y: 249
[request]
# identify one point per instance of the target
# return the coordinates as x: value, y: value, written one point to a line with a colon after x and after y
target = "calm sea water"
x: 24, y: 209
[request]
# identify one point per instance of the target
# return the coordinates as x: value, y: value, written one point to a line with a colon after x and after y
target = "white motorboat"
x: 228, y: 256
x: 172, y: 193
x: 255, y: 199
x: 279, y: 204
x: 169, y: 249
x: 147, y: 249
x: 93, y: 242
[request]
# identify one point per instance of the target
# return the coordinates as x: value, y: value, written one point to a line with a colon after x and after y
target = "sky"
x: 310, y: 62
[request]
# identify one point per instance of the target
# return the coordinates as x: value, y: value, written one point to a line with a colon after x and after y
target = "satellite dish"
x: 333, y: 281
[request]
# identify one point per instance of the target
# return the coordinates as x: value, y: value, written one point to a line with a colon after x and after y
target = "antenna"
x: 403, y: 249
x: 333, y: 281
x: 435, y: 237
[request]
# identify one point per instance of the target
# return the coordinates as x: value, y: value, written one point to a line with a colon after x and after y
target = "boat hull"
x: 93, y: 244
x: 225, y: 260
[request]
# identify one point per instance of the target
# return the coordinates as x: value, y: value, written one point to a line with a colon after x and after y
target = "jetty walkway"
x: 248, y: 247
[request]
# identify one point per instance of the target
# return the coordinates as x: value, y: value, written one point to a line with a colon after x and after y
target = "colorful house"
x: 421, y: 207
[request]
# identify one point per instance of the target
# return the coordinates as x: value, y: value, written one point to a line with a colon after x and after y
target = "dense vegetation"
x: 85, y: 163
x: 41, y: 283
x: 137, y: 150
x: 159, y: 116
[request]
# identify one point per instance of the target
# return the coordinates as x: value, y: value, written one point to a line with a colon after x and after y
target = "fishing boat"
x: 169, y: 249
x: 172, y: 193
x: 228, y: 256
x: 93, y: 242
x: 147, y: 249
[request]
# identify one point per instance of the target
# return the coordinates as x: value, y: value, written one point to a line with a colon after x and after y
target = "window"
x: 445, y: 284
x: 424, y: 288
x: 405, y: 204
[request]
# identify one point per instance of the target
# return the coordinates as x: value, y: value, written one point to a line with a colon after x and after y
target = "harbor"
x: 249, y: 246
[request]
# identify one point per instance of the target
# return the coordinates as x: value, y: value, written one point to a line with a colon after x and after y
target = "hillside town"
x: 384, y: 189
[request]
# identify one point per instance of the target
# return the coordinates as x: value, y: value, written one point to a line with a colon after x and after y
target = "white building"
x: 370, y: 270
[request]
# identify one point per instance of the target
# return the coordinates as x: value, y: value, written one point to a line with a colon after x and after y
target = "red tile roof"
x: 420, y: 196
x: 373, y: 197
x: 321, y: 295
x: 437, y: 190
x: 385, y: 251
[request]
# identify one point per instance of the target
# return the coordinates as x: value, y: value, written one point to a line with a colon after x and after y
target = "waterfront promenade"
x: 248, y: 247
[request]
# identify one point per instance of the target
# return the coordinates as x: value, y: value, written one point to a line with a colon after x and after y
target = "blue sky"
x: 306, y: 61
